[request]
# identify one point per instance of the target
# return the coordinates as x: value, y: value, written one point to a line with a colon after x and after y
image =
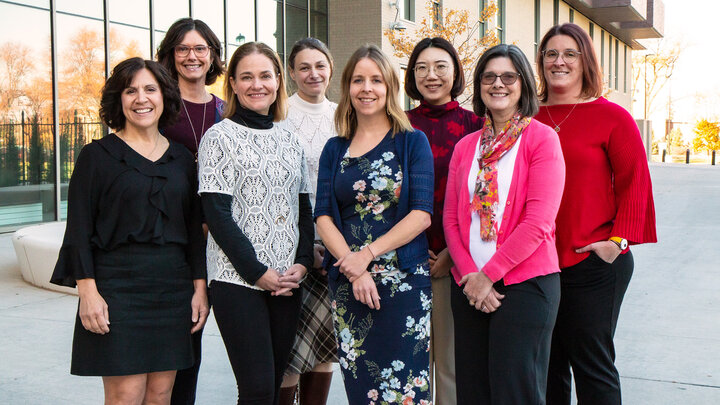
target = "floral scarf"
x: 492, y: 148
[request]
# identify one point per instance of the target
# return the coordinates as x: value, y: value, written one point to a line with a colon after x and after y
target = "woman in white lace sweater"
x: 310, y: 117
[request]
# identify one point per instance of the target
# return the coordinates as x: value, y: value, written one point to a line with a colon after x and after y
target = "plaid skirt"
x: 315, y: 341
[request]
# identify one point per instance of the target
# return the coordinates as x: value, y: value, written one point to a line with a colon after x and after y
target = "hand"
x: 270, y: 281
x: 199, y: 305
x: 432, y: 259
x: 290, y: 279
x: 477, y: 287
x: 607, y: 250
x: 492, y: 302
x: 442, y: 265
x: 93, y: 309
x: 319, y: 254
x: 354, y: 264
x: 365, y: 291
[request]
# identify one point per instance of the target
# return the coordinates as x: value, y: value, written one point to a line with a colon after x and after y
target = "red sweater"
x: 607, y: 185
x: 444, y: 126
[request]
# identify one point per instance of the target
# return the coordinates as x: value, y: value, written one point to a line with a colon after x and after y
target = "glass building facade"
x: 55, y: 56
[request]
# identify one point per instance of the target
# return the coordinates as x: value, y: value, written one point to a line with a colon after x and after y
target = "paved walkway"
x: 668, y: 339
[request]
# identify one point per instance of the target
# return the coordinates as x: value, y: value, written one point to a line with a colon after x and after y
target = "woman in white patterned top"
x: 254, y: 187
x: 310, y: 116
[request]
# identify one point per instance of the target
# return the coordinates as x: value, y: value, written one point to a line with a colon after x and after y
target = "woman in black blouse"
x: 134, y: 244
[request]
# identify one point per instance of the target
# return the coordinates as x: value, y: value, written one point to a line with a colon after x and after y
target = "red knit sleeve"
x: 635, y: 218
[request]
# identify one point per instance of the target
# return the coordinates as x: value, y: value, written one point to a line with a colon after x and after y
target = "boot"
x: 287, y: 395
x: 314, y: 387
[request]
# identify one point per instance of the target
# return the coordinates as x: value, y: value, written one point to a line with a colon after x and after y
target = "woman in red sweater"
x: 435, y: 77
x: 607, y: 204
x: 504, y: 188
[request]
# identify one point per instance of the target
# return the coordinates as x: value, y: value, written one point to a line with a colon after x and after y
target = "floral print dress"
x: 383, y: 354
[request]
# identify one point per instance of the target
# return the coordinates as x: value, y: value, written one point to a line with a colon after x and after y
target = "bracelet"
x: 371, y: 252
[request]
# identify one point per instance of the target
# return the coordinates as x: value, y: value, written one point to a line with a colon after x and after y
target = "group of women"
x: 455, y: 256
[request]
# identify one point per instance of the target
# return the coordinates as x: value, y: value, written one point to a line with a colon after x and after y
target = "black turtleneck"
x: 252, y: 119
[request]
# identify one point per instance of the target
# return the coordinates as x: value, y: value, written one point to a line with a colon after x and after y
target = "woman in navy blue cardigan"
x: 374, y: 200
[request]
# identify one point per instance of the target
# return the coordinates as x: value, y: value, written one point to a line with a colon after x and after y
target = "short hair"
x: 528, y: 104
x: 345, y: 116
x: 111, y: 111
x: 277, y: 108
x: 592, y: 77
x: 175, y: 35
x: 458, y: 86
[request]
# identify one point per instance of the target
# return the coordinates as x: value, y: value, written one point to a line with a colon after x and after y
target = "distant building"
x: 65, y: 49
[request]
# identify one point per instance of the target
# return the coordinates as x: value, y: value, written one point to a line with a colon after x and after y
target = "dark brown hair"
x: 592, y: 85
x: 278, y: 107
x: 111, y: 111
x: 310, y: 43
x: 437, y: 42
x: 528, y: 104
x: 175, y: 35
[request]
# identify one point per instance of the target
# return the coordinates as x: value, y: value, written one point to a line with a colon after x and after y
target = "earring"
x: 212, y: 68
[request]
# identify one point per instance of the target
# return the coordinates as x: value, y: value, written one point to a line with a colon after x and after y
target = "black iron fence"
x: 26, y: 148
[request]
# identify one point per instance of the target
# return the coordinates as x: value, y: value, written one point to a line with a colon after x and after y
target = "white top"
x: 480, y: 250
x: 314, y: 124
x: 264, y: 170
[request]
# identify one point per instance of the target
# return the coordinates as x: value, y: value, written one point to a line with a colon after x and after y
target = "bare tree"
x: 652, y: 70
x: 16, y: 59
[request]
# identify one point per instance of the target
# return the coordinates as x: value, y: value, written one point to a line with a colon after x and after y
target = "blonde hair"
x: 278, y: 107
x: 345, y: 117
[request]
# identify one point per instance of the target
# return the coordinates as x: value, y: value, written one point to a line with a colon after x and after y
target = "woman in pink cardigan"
x: 504, y: 188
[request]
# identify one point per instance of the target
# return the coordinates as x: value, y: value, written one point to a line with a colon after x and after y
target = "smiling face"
x: 255, y: 83
x: 368, y: 89
x: 501, y: 99
x: 192, y: 67
x: 311, y: 74
x: 560, y: 76
x: 435, y: 89
x: 142, y: 101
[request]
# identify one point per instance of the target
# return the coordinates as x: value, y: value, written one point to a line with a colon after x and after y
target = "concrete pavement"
x: 668, y: 337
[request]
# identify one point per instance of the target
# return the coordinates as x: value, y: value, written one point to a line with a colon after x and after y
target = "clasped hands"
x: 283, y: 284
x: 354, y: 266
x: 479, y: 290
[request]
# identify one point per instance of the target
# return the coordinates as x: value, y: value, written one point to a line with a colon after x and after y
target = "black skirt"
x: 148, y: 289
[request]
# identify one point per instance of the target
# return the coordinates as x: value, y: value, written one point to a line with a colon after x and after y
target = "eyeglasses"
x: 423, y: 70
x: 506, y: 78
x: 568, y: 55
x: 184, y: 50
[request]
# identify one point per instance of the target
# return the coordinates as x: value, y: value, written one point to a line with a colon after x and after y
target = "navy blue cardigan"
x: 416, y: 160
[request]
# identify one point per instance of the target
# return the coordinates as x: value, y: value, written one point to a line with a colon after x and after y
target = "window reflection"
x: 270, y: 31
x: 89, y: 8
x: 166, y: 13
x: 133, y: 12
x: 212, y: 13
x: 297, y: 24
x: 241, y: 24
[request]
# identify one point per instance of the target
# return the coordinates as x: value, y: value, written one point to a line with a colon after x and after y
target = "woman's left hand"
x: 319, y: 255
x: 442, y: 265
x: 477, y: 287
x: 607, y: 250
x: 354, y: 264
x: 290, y: 279
x: 199, y: 305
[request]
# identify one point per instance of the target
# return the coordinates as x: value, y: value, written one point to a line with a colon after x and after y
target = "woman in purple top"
x: 435, y: 77
x: 191, y: 52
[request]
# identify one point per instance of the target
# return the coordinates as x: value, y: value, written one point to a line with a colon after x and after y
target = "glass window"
x: 271, y: 30
x: 166, y: 12
x: 501, y: 21
x: 241, y: 24
x: 27, y: 191
x: 298, y: 3
x: 297, y: 24
x: 127, y: 41
x: 319, y: 26
x: 319, y: 5
x: 592, y: 30
x: 212, y: 13
x: 133, y: 12
x: 610, y: 61
x: 88, y: 8
x: 617, y: 63
x: 571, y: 16
x: 408, y: 9
x: 625, y: 69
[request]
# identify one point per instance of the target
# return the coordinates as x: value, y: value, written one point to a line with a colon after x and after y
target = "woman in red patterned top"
x: 607, y: 204
x: 435, y: 77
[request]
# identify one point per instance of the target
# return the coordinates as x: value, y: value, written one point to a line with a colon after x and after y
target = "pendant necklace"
x: 202, y: 127
x: 557, y: 126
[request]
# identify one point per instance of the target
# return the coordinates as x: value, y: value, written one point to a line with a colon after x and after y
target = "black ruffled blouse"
x: 116, y: 196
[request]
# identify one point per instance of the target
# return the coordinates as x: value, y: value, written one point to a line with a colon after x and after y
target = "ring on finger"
x: 484, y: 308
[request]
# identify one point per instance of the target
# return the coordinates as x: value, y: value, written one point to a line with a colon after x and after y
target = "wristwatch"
x: 620, y: 242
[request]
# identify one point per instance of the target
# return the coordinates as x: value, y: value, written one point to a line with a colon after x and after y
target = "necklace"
x: 202, y: 128
x: 149, y: 155
x: 557, y: 126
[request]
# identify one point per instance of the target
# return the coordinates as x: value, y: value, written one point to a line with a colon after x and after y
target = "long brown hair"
x: 345, y: 117
x: 592, y: 85
x: 278, y: 107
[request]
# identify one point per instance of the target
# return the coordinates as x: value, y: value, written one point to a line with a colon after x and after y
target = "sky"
x: 695, y: 84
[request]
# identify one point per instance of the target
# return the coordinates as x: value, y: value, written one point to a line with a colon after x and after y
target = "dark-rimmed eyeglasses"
x: 199, y: 50
x: 424, y: 70
x: 506, y: 78
x: 568, y: 55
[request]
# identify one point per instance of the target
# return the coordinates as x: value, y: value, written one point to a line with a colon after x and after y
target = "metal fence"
x: 26, y: 148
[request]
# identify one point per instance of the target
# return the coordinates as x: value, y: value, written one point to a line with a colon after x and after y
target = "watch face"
x: 624, y: 244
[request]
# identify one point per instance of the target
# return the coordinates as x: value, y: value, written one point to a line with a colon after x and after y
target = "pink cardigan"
x: 526, y: 238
